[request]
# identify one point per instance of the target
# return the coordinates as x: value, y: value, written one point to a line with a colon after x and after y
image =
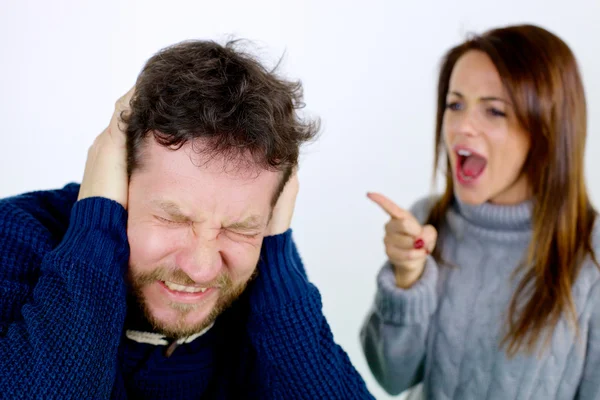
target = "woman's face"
x: 486, y: 146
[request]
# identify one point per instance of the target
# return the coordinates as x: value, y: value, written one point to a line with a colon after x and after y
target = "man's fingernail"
x: 419, y: 243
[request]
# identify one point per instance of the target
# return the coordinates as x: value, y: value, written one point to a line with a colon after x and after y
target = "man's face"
x: 195, y: 230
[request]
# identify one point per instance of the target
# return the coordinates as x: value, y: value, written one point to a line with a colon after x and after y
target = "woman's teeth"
x: 181, y: 288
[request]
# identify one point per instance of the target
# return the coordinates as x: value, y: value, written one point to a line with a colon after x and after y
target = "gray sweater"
x: 445, y: 330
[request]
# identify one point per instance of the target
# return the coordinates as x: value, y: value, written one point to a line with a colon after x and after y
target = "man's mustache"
x: 177, y: 276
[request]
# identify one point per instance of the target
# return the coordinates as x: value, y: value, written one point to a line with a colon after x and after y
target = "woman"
x: 492, y: 290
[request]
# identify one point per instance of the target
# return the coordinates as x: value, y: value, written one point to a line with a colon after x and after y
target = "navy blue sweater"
x: 64, y: 311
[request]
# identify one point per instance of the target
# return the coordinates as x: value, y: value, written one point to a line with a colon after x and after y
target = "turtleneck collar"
x: 496, y: 217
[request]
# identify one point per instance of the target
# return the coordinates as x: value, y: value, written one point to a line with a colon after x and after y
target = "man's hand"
x: 284, y: 209
x: 106, y: 166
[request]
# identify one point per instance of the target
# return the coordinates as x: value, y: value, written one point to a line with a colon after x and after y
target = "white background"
x: 369, y: 71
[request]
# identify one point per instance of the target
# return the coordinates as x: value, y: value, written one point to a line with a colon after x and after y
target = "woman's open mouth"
x: 469, y: 165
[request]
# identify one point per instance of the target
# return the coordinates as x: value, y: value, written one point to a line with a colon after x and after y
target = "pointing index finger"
x: 388, y: 206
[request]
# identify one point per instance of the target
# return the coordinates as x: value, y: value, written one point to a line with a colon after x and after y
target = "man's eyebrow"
x: 170, y: 208
x: 253, y: 222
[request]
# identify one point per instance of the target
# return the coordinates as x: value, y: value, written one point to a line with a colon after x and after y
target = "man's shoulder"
x: 38, y: 213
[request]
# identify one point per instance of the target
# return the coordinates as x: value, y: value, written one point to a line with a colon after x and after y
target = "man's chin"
x: 181, y: 328
x: 181, y: 320
x: 177, y: 320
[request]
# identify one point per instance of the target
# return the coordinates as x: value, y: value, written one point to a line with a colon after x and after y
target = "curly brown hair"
x: 221, y: 94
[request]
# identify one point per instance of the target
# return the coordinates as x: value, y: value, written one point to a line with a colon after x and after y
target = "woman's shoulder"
x: 590, y: 272
x: 595, y: 244
x: 595, y: 238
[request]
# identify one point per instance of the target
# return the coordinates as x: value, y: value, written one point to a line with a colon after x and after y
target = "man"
x: 171, y: 271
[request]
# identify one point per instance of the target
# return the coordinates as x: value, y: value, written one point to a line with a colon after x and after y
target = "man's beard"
x: 228, y: 294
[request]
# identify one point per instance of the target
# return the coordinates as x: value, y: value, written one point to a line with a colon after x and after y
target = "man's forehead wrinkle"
x: 243, y: 222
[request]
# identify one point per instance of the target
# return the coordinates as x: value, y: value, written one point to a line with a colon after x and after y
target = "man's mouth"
x: 184, y: 288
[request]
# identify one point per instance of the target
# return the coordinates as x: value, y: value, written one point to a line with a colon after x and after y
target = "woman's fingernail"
x: 419, y: 243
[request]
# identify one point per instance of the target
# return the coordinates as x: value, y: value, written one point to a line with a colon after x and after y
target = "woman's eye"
x: 496, y: 113
x: 454, y: 106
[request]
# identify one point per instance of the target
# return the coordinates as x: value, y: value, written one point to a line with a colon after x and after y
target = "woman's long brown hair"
x: 541, y: 75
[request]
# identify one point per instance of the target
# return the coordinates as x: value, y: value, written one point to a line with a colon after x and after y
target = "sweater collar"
x: 157, y: 339
x: 515, y: 217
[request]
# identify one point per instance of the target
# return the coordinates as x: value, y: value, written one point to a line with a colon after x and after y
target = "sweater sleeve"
x: 394, y: 334
x: 63, y: 309
x: 291, y: 335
